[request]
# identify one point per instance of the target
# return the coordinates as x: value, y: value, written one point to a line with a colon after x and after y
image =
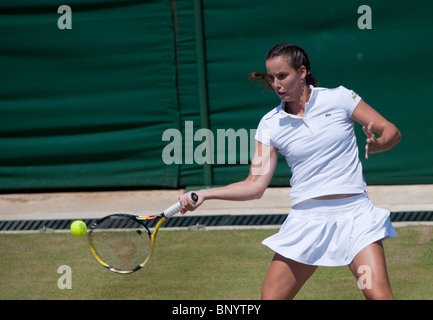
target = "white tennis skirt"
x: 330, y: 232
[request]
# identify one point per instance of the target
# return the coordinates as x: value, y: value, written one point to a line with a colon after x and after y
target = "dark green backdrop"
x: 87, y: 107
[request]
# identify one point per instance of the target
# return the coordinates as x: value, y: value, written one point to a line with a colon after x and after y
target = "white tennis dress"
x: 321, y: 150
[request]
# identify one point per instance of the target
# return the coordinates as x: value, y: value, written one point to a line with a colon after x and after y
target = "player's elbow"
x: 258, y: 194
x: 256, y: 188
x: 395, y: 136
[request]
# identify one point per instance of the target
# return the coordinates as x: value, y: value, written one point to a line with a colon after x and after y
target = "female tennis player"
x: 332, y: 221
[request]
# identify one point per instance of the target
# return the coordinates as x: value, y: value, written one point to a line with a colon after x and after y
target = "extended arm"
x: 261, y: 171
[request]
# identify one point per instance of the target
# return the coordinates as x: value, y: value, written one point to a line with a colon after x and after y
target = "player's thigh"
x: 369, y: 268
x: 284, y: 278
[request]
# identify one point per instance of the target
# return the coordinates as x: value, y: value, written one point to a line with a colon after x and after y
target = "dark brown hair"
x: 296, y: 57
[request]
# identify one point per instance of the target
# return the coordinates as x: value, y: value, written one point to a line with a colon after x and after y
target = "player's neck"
x: 297, y: 107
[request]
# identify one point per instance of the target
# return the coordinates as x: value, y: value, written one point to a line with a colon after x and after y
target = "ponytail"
x: 310, y: 80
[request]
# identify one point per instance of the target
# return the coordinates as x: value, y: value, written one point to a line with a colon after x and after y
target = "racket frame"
x: 140, y: 219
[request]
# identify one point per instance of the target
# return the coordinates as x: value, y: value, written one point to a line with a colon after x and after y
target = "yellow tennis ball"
x: 78, y: 228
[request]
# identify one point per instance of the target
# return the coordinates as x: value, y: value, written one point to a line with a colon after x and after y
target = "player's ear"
x: 302, y: 72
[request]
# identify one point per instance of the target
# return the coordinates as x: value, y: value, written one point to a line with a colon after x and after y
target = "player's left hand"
x: 372, y: 142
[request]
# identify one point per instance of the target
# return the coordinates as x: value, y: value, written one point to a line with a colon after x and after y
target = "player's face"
x: 283, y: 78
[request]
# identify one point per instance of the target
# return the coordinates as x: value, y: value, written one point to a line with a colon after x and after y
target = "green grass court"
x: 196, y: 265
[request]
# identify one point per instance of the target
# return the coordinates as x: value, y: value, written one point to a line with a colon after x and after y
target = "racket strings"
x: 121, y: 242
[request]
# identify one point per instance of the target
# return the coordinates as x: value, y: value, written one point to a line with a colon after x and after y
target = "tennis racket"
x: 123, y: 243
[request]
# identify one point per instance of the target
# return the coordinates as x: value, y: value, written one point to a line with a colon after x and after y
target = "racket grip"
x: 172, y: 210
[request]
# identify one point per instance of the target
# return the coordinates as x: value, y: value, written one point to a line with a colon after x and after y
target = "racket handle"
x: 171, y: 211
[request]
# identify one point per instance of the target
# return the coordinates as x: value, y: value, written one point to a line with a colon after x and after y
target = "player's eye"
x: 282, y: 76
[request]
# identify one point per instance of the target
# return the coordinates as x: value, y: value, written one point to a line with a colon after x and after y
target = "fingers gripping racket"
x: 123, y: 243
